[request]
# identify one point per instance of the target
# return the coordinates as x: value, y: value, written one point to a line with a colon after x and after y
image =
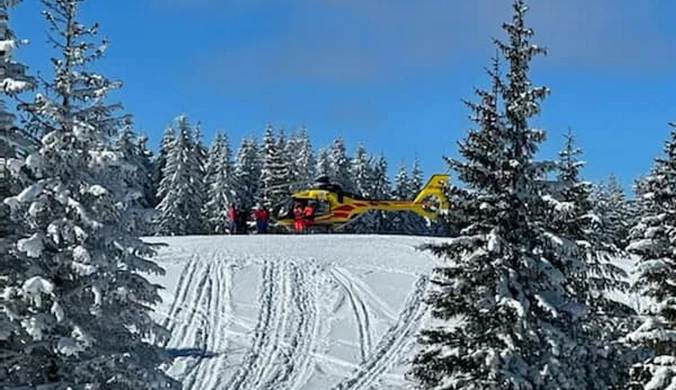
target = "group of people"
x: 238, y: 219
x: 304, y: 217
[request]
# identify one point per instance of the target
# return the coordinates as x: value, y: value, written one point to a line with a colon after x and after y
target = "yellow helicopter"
x: 334, y: 208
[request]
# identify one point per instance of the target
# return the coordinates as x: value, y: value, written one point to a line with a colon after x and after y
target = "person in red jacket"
x: 232, y: 215
x: 309, y: 215
x: 261, y: 215
x: 299, y: 224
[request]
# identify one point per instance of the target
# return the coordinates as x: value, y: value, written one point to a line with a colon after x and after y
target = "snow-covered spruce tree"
x: 200, y: 152
x: 220, y: 186
x: 304, y: 163
x: 269, y: 156
x: 285, y: 174
x: 403, y: 222
x: 362, y: 172
x: 135, y: 177
x: 402, y: 183
x: 416, y: 223
x: 416, y: 183
x: 248, y: 172
x: 361, y: 168
x: 612, y: 208
x: 15, y: 142
x: 635, y: 205
x: 619, y: 213
x: 290, y: 156
x: 651, y: 240
x: 576, y: 220
x: 275, y: 173
x: 161, y: 161
x: 607, y: 320
x: 382, y: 189
x: 324, y: 166
x: 340, y: 165
x: 504, y: 315
x: 180, y: 210
x: 78, y: 301
x: 146, y: 159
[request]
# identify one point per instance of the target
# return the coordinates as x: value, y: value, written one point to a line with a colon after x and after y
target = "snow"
x: 313, y: 312
x: 32, y: 246
x: 292, y: 312
x: 12, y: 86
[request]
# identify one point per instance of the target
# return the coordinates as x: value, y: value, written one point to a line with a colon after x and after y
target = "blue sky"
x: 389, y: 73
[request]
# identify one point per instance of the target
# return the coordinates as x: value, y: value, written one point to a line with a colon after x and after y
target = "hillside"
x: 292, y: 312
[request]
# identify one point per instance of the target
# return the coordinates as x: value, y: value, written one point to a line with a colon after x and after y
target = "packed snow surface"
x: 292, y: 312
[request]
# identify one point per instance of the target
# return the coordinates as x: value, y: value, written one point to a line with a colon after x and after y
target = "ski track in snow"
x: 392, y: 345
x: 285, y: 336
x: 284, y: 346
x: 360, y: 311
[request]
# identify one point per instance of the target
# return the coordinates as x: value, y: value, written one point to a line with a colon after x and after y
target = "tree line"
x: 189, y: 187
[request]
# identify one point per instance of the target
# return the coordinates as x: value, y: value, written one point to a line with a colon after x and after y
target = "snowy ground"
x: 278, y: 312
x: 292, y: 312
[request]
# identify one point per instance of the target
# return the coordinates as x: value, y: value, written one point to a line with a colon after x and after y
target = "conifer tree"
x: 324, y: 166
x: 136, y: 176
x: 79, y: 303
x: 275, y: 173
x: 15, y: 142
x: 416, y: 184
x: 362, y: 172
x: 147, y: 166
x: 340, y: 165
x: 402, y: 190
x: 304, y: 163
x: 161, y: 161
x: 579, y: 222
x: 381, y: 190
x: 619, y: 212
x: 248, y: 172
x: 612, y: 208
x: 508, y: 278
x: 406, y: 222
x: 286, y: 148
x: 651, y: 240
x: 13, y: 82
x: 200, y: 152
x: 291, y: 152
x: 219, y: 181
x: 575, y: 220
x: 180, y: 209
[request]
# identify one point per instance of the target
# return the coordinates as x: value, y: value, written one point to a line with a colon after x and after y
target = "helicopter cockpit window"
x: 322, y: 207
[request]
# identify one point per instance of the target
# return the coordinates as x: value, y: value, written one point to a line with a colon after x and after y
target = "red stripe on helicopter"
x: 340, y: 215
x: 346, y: 207
x: 360, y: 204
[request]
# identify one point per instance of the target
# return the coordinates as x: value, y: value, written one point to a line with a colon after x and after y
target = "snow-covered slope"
x: 314, y: 312
x: 292, y: 312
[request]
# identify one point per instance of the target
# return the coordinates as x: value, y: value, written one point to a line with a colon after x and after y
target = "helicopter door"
x: 284, y: 210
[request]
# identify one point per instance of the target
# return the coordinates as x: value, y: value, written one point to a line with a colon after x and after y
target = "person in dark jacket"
x: 242, y: 219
